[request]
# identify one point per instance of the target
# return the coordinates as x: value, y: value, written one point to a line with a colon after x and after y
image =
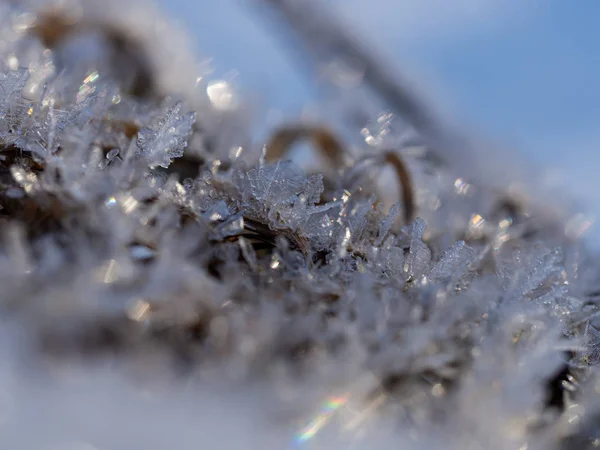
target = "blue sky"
x: 524, y: 72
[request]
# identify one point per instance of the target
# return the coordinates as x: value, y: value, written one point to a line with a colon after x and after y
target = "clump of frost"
x: 163, y: 286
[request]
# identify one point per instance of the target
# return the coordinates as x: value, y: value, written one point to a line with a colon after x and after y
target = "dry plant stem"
x: 330, y: 147
x: 404, y: 178
x: 325, y: 39
x: 284, y: 138
x: 56, y: 26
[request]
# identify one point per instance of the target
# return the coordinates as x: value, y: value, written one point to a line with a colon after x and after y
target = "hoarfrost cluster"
x: 165, y: 274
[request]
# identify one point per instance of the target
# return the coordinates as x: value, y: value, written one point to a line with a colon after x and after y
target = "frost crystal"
x: 13, y: 106
x: 162, y: 143
x: 592, y: 354
x: 453, y: 263
x: 387, y: 223
x: 419, y: 255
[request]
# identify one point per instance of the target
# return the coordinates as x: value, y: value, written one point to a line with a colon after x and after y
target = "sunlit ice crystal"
x: 233, y: 226
x: 453, y: 262
x: 162, y: 143
x: 280, y: 194
x: 276, y: 182
x: 419, y: 255
x: 13, y: 106
x: 388, y: 222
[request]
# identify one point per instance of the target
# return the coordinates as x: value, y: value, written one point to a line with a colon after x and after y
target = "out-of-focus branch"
x: 325, y: 38
x: 322, y: 37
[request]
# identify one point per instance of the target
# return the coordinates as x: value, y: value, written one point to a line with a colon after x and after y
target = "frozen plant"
x: 162, y: 276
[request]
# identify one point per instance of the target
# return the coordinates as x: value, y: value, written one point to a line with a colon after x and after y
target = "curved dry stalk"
x: 328, y: 145
x: 55, y: 26
x: 405, y: 180
x: 324, y: 37
x: 393, y: 159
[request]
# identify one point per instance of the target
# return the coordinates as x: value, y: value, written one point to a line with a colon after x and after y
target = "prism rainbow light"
x: 321, y: 419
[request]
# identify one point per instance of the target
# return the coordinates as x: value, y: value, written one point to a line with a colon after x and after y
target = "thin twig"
x: 326, y: 38
x: 282, y: 140
x: 405, y: 180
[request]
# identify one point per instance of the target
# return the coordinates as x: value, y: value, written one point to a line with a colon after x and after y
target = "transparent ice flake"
x: 13, y: 107
x: 419, y: 255
x: 279, y: 195
x: 167, y: 140
x: 248, y: 253
x: 453, y: 263
x: 231, y: 227
x: 545, y: 267
x: 217, y: 212
x: 387, y: 223
x: 320, y: 228
x: 592, y: 353
x: 275, y: 183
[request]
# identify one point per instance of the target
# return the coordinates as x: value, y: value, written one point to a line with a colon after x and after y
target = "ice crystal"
x: 453, y: 263
x: 162, y: 143
x: 592, y: 353
x: 13, y: 107
x: 387, y: 223
x: 419, y: 255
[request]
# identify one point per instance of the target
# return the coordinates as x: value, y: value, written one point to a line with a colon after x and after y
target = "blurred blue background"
x: 525, y: 73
